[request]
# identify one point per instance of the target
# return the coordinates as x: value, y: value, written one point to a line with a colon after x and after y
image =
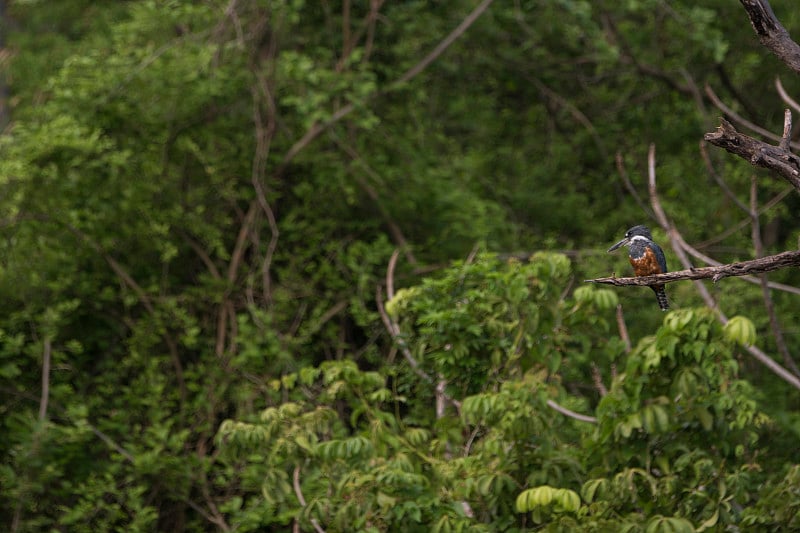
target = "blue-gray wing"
x: 662, y: 261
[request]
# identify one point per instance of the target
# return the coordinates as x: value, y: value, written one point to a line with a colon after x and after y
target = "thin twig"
x: 46, y: 357
x: 598, y: 380
x: 337, y: 308
x: 720, y: 181
x: 390, y: 274
x: 394, y: 332
x: 629, y: 185
x: 733, y: 115
x: 572, y: 414
x: 788, y: 100
x: 299, y: 493
x: 63, y: 412
x: 623, y: 329
x: 264, y: 134
x: 216, y: 516
x: 446, y: 42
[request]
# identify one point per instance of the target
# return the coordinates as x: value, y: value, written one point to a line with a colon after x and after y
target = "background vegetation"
x: 199, y: 203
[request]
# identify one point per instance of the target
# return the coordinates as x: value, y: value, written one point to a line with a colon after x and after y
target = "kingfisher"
x: 646, y: 257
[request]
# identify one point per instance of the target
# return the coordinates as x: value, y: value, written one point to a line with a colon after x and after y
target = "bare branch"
x: 46, y: 357
x: 441, y: 397
x: 628, y: 185
x: 715, y: 273
x: 788, y: 100
x: 390, y: 274
x: 264, y: 132
x: 720, y: 181
x: 771, y: 32
x: 572, y: 414
x: 299, y: 493
x: 750, y: 279
x: 786, y: 138
x: 394, y: 332
x: 446, y: 42
x: 597, y: 378
x: 735, y: 117
x: 759, y: 153
x: 623, y: 329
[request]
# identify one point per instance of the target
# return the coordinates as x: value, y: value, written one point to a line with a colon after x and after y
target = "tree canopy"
x: 319, y: 265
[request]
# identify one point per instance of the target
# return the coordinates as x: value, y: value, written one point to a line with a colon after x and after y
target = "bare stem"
x: 46, y: 356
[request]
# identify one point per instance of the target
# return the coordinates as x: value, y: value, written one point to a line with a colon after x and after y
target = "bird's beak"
x: 623, y: 242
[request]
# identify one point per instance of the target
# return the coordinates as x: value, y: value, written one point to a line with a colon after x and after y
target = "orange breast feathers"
x: 647, y: 265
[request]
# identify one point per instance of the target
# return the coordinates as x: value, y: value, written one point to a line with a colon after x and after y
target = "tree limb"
x: 715, y: 273
x: 771, y: 32
x: 572, y: 414
x: 759, y: 153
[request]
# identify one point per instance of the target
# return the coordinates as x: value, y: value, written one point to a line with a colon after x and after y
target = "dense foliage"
x: 263, y: 266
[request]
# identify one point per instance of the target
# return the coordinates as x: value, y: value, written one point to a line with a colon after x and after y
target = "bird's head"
x: 636, y: 231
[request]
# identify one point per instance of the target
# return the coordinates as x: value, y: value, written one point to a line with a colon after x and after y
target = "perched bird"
x: 646, y: 257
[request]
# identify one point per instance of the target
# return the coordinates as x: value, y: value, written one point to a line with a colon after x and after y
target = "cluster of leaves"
x: 674, y: 447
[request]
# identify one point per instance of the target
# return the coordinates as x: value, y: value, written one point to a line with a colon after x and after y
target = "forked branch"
x: 778, y: 158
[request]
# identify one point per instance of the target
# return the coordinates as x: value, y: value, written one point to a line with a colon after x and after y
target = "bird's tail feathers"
x: 661, y: 296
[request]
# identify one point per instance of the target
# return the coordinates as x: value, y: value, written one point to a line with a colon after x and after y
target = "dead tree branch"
x: 771, y: 32
x: 759, y: 153
x: 714, y: 273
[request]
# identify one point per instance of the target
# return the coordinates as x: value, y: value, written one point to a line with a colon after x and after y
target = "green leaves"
x: 668, y: 524
x: 741, y: 330
x: 602, y: 298
x: 200, y: 200
x: 559, y: 500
